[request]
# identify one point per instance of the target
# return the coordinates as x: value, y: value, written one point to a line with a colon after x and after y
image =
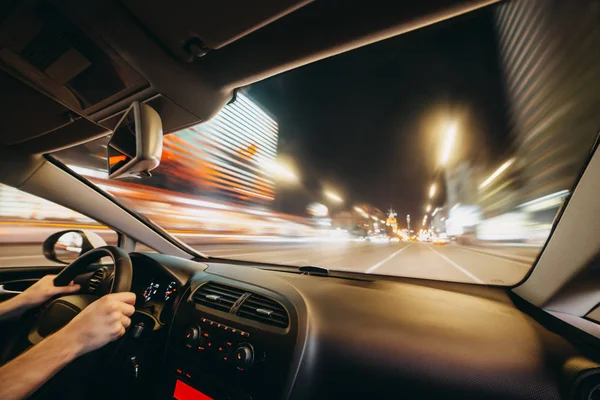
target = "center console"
x: 230, y: 341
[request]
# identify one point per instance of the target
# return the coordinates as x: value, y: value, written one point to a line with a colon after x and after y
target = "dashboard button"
x: 191, y: 336
x: 243, y: 356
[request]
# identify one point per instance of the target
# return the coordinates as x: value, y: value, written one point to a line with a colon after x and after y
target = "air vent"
x: 262, y: 309
x: 96, y: 279
x: 217, y: 296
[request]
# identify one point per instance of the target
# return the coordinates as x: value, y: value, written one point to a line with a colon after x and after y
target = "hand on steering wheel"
x: 63, y: 309
x: 101, y: 322
x: 43, y: 290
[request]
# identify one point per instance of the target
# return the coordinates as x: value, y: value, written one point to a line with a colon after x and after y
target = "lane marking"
x: 53, y: 224
x: 388, y: 258
x: 455, y: 265
x: 275, y: 251
x: 304, y: 262
x: 21, y: 257
x: 255, y: 253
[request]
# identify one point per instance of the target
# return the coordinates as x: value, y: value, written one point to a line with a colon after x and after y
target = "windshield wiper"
x: 313, y: 270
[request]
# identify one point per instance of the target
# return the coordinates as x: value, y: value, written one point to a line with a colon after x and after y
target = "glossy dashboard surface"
x: 415, y: 339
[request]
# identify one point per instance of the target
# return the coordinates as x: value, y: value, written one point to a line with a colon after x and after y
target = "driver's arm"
x: 37, y: 294
x: 101, y: 322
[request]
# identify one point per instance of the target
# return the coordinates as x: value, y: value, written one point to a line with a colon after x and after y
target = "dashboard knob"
x: 191, y: 336
x: 243, y: 356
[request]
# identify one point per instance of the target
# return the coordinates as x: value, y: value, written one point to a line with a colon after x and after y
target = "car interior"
x: 223, y: 329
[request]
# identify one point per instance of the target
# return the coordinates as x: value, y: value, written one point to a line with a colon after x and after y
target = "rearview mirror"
x: 66, y: 246
x: 135, y: 147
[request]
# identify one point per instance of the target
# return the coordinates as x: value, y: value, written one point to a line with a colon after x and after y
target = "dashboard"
x: 227, y: 331
x: 155, y: 288
x: 156, y: 291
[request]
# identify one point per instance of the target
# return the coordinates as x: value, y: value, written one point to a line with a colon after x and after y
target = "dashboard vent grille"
x: 217, y: 296
x: 96, y: 279
x: 262, y: 309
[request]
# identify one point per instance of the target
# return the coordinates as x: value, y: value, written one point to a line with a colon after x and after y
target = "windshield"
x: 444, y: 153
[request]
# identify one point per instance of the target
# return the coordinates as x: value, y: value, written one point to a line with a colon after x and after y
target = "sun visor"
x: 40, y: 44
x: 54, y: 126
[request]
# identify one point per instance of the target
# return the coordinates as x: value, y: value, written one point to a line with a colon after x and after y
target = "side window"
x: 26, y: 221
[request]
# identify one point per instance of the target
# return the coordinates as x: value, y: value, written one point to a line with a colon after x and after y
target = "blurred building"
x: 227, y: 157
x: 461, y: 184
x: 502, y: 194
x: 551, y: 65
x: 462, y: 211
x: 17, y: 205
x: 362, y: 220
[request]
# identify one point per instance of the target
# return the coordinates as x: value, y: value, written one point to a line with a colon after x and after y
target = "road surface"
x: 473, y: 264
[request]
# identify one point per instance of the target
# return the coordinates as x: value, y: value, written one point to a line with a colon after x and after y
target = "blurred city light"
x: 428, y: 208
x: 317, y: 209
x: 560, y: 195
x: 435, y: 211
x: 281, y: 171
x: 333, y: 196
x: 493, y: 176
x: 448, y: 143
x: 432, y: 191
x: 361, y: 212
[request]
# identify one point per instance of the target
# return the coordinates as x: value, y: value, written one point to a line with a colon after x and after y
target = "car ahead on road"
x: 210, y: 327
x: 381, y: 238
x: 440, y: 240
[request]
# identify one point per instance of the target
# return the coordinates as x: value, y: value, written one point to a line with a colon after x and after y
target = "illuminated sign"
x: 226, y: 155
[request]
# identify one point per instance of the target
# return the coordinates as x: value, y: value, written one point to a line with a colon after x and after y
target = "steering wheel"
x: 62, y: 310
x: 121, y: 260
x: 67, y: 383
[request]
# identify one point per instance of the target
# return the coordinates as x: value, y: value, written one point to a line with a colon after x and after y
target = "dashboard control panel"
x: 221, y: 343
x: 225, y: 356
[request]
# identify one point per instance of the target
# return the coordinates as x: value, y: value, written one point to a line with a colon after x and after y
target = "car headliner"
x: 243, y: 46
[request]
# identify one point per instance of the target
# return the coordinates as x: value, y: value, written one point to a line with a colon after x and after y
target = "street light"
x: 432, y: 191
x: 449, y: 142
x: 497, y: 172
x: 428, y: 208
x: 281, y: 171
x: 333, y: 196
x: 361, y: 212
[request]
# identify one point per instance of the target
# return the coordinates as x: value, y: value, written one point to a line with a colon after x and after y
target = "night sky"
x: 366, y: 122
